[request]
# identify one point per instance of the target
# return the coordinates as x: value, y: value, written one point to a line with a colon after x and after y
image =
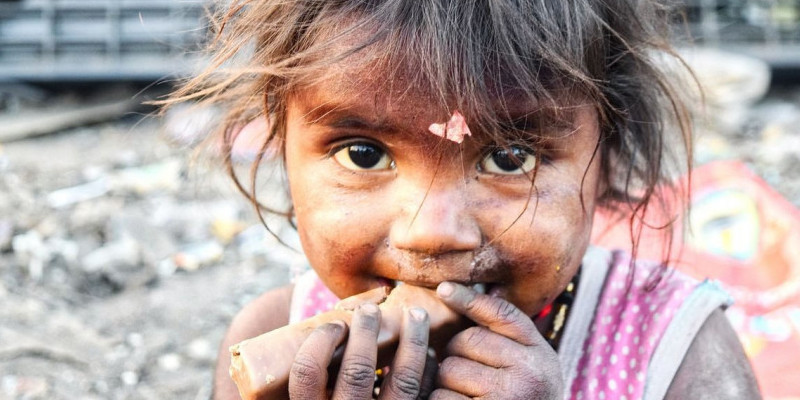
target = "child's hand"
x: 505, y: 356
x: 408, y: 377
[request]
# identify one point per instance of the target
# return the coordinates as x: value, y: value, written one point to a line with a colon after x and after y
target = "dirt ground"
x: 121, y: 286
x: 123, y: 256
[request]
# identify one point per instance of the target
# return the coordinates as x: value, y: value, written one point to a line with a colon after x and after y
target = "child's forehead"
x: 355, y: 85
x: 391, y: 101
x: 346, y: 87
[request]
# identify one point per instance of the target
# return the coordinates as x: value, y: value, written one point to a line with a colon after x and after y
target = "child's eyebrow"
x: 540, y: 123
x: 538, y: 118
x: 347, y: 117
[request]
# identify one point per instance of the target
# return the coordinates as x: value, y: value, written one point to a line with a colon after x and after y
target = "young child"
x: 464, y: 146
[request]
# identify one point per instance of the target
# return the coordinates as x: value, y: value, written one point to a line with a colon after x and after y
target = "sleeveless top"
x: 620, y: 341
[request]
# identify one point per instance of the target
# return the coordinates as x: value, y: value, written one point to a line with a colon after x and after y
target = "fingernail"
x: 445, y: 289
x: 338, y: 326
x: 417, y: 313
x: 369, y: 308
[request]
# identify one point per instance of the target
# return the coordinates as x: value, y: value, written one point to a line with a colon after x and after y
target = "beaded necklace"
x: 561, y: 306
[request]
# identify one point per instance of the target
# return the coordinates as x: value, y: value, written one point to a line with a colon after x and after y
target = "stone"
x: 6, y: 233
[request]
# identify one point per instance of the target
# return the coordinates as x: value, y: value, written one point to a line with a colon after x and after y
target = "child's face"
x: 379, y: 199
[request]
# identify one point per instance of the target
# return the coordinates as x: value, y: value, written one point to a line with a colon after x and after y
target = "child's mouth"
x: 482, y: 288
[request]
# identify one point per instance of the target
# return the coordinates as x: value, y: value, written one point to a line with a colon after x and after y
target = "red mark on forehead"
x: 455, y: 129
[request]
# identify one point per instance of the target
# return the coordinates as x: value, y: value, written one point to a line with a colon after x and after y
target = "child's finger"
x: 486, y: 347
x: 445, y: 394
x: 495, y: 313
x: 357, y: 374
x: 404, y: 380
x: 308, y: 377
x: 429, y: 375
x: 467, y: 377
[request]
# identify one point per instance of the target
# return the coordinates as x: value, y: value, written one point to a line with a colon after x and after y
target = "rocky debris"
x: 122, y: 259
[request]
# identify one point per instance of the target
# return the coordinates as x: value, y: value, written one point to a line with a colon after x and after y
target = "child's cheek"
x: 545, y: 245
x: 339, y: 235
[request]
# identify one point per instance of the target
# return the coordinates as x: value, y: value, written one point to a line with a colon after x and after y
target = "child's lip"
x: 387, y: 282
x: 480, y: 287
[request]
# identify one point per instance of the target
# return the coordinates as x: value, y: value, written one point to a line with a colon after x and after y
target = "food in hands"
x: 260, y: 366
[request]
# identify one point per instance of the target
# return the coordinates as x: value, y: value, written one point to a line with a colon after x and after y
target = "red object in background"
x: 742, y: 233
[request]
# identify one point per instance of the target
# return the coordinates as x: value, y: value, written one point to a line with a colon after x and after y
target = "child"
x: 462, y: 146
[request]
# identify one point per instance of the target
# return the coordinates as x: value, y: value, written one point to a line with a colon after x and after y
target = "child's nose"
x: 436, y: 222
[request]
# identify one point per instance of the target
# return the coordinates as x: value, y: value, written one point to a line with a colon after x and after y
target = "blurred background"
x: 124, y: 254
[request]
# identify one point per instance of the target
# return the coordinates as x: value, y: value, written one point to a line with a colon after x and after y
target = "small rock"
x: 166, y: 267
x: 201, y: 350
x: 93, y: 216
x: 155, y: 243
x: 120, y: 254
x: 63, y: 198
x: 129, y: 378
x: 226, y: 229
x: 135, y: 339
x: 127, y: 159
x: 197, y: 255
x: 93, y: 172
x: 64, y: 250
x: 25, y: 387
x: 100, y: 386
x: 170, y: 362
x: 6, y: 233
x: 163, y: 176
x: 30, y: 251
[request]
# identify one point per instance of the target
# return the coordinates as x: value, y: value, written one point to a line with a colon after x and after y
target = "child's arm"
x: 715, y: 366
x: 267, y: 312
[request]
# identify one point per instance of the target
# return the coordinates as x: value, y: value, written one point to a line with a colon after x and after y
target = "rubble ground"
x: 123, y: 256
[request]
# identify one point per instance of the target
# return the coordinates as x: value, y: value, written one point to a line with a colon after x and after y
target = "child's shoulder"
x: 267, y: 312
x: 715, y: 365
x: 644, y: 334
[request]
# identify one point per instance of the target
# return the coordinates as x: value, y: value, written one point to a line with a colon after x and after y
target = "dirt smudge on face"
x: 486, y: 260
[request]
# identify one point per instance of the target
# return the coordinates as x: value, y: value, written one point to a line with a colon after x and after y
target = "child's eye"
x: 363, y: 156
x: 514, y: 160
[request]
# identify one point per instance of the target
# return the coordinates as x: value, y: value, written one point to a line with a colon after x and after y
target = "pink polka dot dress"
x: 638, y: 334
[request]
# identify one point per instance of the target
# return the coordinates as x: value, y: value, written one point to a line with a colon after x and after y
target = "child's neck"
x: 552, y: 320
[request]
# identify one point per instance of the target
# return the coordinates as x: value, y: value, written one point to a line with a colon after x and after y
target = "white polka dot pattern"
x: 320, y: 299
x: 628, y: 323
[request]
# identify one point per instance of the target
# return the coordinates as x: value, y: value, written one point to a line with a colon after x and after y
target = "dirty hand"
x: 411, y: 374
x: 503, y: 357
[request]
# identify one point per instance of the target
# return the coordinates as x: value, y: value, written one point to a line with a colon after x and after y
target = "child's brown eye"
x: 363, y: 156
x: 514, y: 160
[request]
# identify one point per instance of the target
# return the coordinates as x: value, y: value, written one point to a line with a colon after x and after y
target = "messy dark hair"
x: 609, y: 53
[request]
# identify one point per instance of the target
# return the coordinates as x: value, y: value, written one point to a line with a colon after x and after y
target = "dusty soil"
x: 121, y: 286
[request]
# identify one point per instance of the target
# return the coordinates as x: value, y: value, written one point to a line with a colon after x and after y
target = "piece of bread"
x: 261, y: 369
